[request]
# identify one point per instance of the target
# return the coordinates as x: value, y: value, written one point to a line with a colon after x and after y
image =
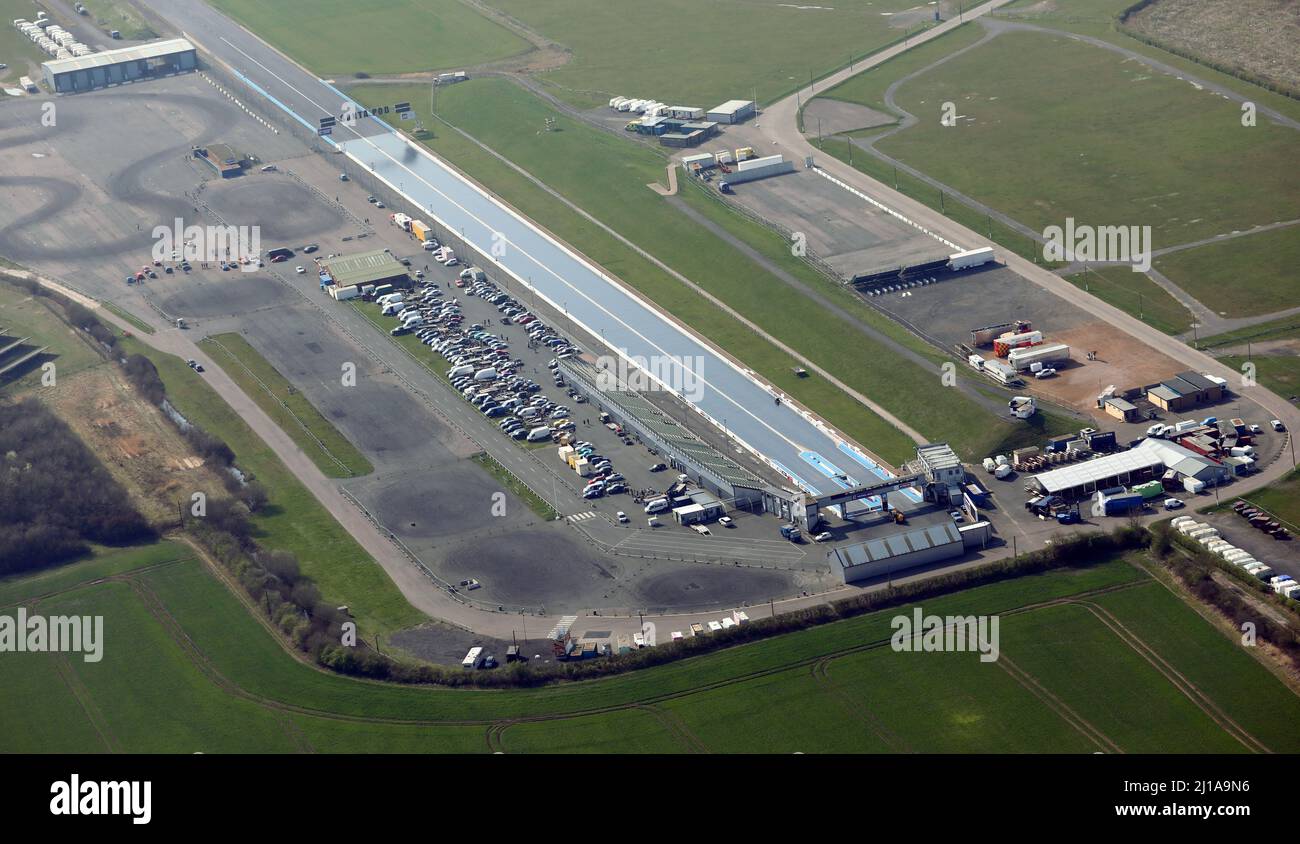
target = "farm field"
x: 1246, y: 276
x: 220, y: 682
x: 708, y: 55
x: 606, y: 176
x: 290, y: 409
x: 1136, y: 294
x: 401, y: 36
x: 294, y: 520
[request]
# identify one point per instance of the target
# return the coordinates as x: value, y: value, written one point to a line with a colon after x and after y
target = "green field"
x: 290, y: 409
x: 118, y: 14
x: 16, y: 49
x: 22, y: 315
x: 1282, y: 499
x: 1245, y: 276
x: 606, y: 176
x: 1272, y: 347
x: 1136, y: 294
x: 294, y: 520
x: 342, y: 38
x: 708, y: 54
x: 187, y: 669
x: 1090, y: 148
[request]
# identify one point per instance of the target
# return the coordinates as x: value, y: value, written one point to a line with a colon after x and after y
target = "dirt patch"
x: 1258, y: 38
x: 133, y: 441
x: 1121, y: 360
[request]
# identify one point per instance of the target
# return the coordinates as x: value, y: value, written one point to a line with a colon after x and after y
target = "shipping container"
x: 343, y: 294
x: 1150, y: 489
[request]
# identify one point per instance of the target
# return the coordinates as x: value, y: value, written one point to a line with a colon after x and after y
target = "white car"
x: 622, y: 517
x: 1173, y: 504
x: 700, y: 529
x: 726, y: 521
x: 1277, y: 424
x: 824, y: 536
x: 300, y: 269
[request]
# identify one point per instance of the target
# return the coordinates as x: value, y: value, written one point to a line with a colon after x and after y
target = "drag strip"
x: 613, y: 315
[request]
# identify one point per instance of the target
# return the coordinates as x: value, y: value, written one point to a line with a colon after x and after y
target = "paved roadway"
x: 795, y: 443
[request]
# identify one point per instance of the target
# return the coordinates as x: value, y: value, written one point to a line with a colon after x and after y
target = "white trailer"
x: 970, y: 258
x: 1021, y: 359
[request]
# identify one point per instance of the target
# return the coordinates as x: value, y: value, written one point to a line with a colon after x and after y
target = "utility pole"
x: 1014, y: 552
x: 849, y: 141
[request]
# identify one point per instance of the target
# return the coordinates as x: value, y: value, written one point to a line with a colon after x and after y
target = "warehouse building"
x: 897, y: 551
x: 732, y: 111
x: 683, y: 139
x: 115, y: 67
x: 1148, y: 460
x: 378, y: 267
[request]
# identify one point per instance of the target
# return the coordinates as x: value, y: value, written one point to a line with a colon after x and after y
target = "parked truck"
x: 792, y: 533
x: 1122, y: 505
x: 422, y: 231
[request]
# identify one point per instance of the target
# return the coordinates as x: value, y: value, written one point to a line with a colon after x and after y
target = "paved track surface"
x: 614, y: 316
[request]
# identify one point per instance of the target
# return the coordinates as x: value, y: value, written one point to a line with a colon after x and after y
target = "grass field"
x: 1282, y: 499
x: 400, y: 36
x: 1212, y: 176
x: 1136, y: 294
x: 708, y: 54
x: 22, y: 315
x: 607, y: 176
x: 1272, y: 347
x: 294, y: 520
x: 290, y: 409
x: 1245, y: 276
x: 118, y: 14
x: 836, y: 688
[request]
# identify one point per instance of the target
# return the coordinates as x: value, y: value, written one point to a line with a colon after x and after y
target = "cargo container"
x: 970, y: 258
x: 343, y: 294
x: 421, y: 230
x: 1014, y: 340
x: 1119, y: 505
x: 724, y: 156
x: 1020, y: 359
x: 1150, y: 489
x: 745, y: 153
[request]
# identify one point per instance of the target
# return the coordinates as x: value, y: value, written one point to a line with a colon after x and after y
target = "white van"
x: 656, y: 505
x: 388, y: 298
x: 488, y: 374
x: 458, y: 371
x: 538, y: 434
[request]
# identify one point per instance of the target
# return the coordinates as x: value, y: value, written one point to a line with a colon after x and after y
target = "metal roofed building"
x: 897, y: 551
x: 378, y: 267
x: 1147, y: 460
x: 732, y: 111
x: 114, y: 67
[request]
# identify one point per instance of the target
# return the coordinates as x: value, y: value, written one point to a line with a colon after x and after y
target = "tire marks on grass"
x: 855, y: 707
